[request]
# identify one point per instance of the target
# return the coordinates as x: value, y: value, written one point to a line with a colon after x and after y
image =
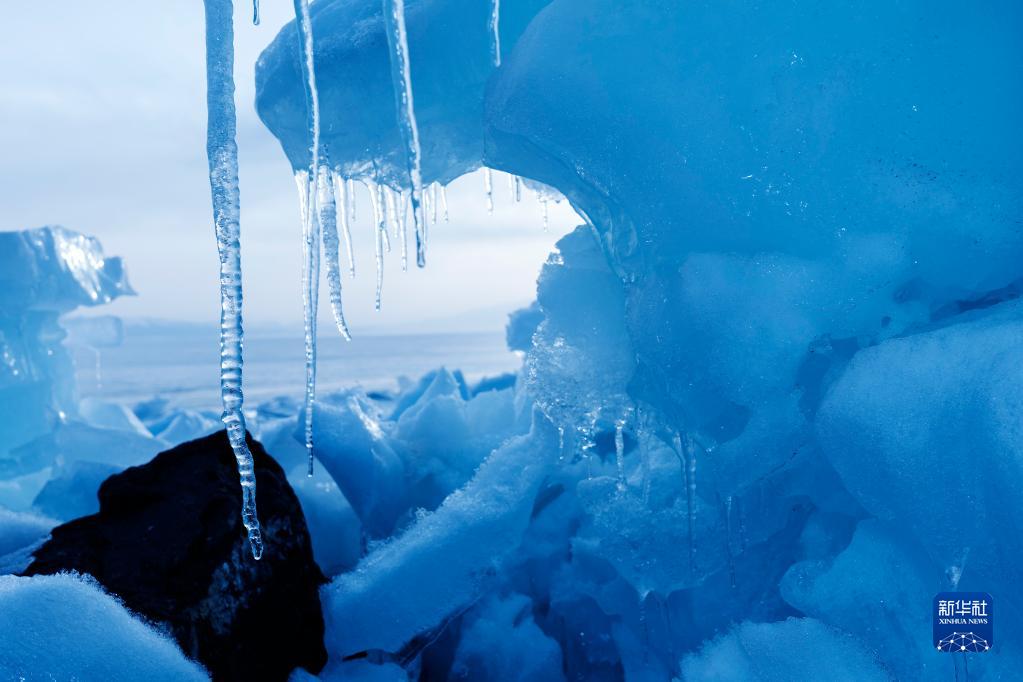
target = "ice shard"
x: 222, y: 151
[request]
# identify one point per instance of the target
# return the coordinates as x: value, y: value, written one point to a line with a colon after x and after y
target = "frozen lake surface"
x: 179, y: 362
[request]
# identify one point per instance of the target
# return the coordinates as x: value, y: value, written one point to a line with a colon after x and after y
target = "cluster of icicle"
x: 327, y: 207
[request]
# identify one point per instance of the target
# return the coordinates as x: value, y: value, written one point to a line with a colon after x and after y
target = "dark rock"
x: 168, y: 541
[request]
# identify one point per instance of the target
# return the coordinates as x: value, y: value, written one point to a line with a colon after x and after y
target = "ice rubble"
x: 44, y: 273
x: 791, y: 213
x: 45, y: 433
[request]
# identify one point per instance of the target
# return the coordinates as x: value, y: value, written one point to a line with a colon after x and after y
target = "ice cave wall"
x: 785, y: 202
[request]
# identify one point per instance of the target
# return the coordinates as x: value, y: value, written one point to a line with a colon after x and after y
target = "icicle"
x: 222, y: 152
x: 255, y: 12
x: 310, y: 297
x: 433, y: 201
x: 426, y: 212
x: 543, y: 210
x: 305, y: 32
x: 401, y: 76
x: 379, y: 229
x: 311, y: 279
x: 620, y: 452
x: 444, y: 200
x: 351, y: 197
x: 518, y: 189
x: 392, y: 210
x: 327, y: 205
x: 403, y: 222
x: 488, y: 187
x: 495, y: 33
x: 343, y: 191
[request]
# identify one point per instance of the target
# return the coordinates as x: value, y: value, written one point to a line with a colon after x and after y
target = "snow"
x: 802, y: 649
x: 66, y: 627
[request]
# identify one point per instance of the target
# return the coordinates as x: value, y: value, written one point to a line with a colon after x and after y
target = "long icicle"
x: 403, y: 198
x: 444, y: 200
x: 327, y: 205
x: 312, y: 281
x: 401, y: 76
x: 379, y: 229
x: 342, y: 197
x: 255, y: 12
x: 351, y: 197
x: 392, y: 210
x: 222, y: 152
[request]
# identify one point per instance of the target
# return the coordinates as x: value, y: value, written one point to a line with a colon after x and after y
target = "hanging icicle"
x: 391, y: 202
x: 222, y: 152
x: 351, y: 198
x: 327, y: 205
x: 444, y: 200
x: 255, y: 12
x: 401, y: 76
x: 343, y: 196
x: 379, y: 229
x: 310, y: 297
x: 310, y: 227
x: 403, y: 222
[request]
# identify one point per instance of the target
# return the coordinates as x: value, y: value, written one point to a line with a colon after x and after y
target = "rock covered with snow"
x: 169, y: 542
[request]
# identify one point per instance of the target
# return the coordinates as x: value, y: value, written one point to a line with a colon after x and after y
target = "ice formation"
x: 770, y: 392
x: 401, y: 75
x: 793, y: 222
x: 222, y: 152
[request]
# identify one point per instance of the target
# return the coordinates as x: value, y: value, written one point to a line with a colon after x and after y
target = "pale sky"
x: 103, y: 110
